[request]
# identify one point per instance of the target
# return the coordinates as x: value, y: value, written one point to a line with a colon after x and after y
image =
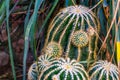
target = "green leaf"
x: 3, y: 18
x: 2, y: 7
x: 27, y: 16
x: 9, y: 39
x: 31, y: 24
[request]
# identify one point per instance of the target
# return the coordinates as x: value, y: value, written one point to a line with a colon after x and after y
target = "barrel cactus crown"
x: 70, y: 28
x: 45, y: 61
x: 54, y: 49
x: 64, y: 69
x: 37, y: 67
x: 104, y: 70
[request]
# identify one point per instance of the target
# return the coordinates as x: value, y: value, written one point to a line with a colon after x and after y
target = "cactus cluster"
x: 73, y: 33
x: 50, y: 68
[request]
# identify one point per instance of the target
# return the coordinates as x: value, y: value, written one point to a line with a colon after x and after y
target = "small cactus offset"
x: 75, y: 30
x: 37, y: 67
x: 80, y: 39
x: 54, y: 49
x: 104, y: 70
x: 64, y: 69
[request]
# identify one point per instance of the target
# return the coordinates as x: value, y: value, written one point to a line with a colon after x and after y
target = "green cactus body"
x: 64, y: 69
x: 45, y: 61
x: 65, y: 25
x: 37, y: 67
x: 104, y: 70
x: 33, y: 72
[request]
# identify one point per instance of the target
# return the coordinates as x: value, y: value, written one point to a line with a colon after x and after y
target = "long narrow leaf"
x: 31, y: 32
x: 27, y: 16
x: 9, y: 40
x: 27, y: 33
x: 4, y: 19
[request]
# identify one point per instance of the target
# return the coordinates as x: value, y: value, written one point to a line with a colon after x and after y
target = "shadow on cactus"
x: 75, y: 28
x: 104, y: 70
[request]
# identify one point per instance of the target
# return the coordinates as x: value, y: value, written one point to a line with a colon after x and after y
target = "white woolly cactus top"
x: 45, y: 61
x: 64, y: 70
x: 104, y: 70
x: 37, y: 67
x: 77, y: 9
